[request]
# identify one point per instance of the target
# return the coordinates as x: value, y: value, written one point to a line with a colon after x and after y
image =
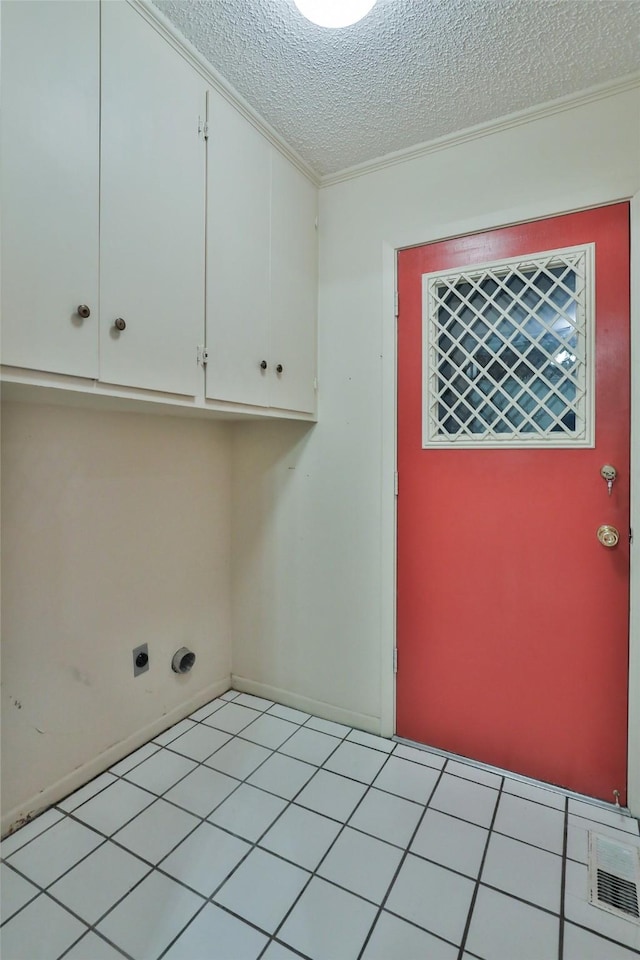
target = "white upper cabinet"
x: 294, y: 287
x: 152, y: 229
x: 261, y: 269
x: 50, y: 165
x: 238, y: 237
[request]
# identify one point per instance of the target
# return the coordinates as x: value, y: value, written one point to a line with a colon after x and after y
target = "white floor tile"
x: 362, y: 864
x: 256, y: 703
x: 581, y: 945
x: 359, y: 763
x: 248, y: 812
x: 432, y: 897
x: 503, y: 928
x: 239, y: 758
x: 369, y: 740
x: 150, y: 917
x: 275, y: 951
x: 262, y: 889
x: 578, y: 836
x: 476, y: 774
x: 200, y: 742
x: 301, y: 836
x: 310, y: 746
x: 524, y: 871
x: 174, y: 732
x: 451, y: 842
x: 395, y: 938
x: 202, y: 791
x: 93, y: 947
x: 143, y: 753
x: 231, y: 718
x: 85, y: 793
x: 114, y: 807
x: 51, y: 854
x: 230, y: 695
x: 424, y: 757
x: 205, y: 858
x: 160, y: 771
x: 409, y: 780
x: 288, y: 713
x: 42, y: 931
x: 328, y: 726
x: 209, y: 708
x: 269, y: 731
x: 328, y: 923
x: 154, y: 832
x: 92, y: 888
x: 532, y: 822
x: 590, y: 811
x: 216, y: 935
x: 466, y: 800
x: 16, y: 891
x: 30, y: 830
x: 529, y: 791
x: 388, y: 817
x: 580, y: 911
x: 282, y: 775
x: 332, y: 795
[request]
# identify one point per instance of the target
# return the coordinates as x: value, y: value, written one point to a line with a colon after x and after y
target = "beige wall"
x: 116, y: 531
x: 315, y: 519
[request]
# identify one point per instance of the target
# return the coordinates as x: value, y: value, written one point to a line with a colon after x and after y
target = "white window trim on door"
x: 443, y: 231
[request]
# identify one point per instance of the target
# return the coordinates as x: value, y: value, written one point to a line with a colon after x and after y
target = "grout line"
x: 563, y: 878
x: 476, y: 888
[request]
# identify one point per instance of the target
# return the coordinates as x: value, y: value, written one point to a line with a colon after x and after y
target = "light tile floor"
x: 252, y: 831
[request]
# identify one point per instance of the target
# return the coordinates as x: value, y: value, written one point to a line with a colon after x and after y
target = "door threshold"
x: 542, y: 784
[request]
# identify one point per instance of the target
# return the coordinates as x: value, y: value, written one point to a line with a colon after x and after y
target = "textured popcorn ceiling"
x: 412, y: 70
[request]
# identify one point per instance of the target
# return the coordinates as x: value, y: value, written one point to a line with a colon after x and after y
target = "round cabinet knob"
x: 279, y: 368
x: 264, y: 365
x: 608, y: 535
x: 120, y: 324
x: 84, y: 311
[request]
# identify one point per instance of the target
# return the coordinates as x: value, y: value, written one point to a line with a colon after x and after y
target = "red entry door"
x: 513, y: 393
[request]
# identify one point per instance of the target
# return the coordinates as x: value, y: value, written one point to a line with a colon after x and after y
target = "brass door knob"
x: 84, y: 311
x: 608, y: 535
x: 120, y: 324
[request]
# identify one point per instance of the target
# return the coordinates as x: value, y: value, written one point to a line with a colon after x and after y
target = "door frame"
x: 443, y: 231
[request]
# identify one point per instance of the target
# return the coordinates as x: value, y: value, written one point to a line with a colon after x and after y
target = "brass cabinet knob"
x: 120, y: 324
x: 608, y: 535
x: 84, y: 311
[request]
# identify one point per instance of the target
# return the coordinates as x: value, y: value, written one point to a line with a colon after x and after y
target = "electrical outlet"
x: 140, y: 659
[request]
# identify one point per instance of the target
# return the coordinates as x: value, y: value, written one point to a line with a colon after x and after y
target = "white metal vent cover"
x: 614, y: 877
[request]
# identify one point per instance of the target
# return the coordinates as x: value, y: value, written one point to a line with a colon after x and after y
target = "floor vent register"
x: 614, y: 876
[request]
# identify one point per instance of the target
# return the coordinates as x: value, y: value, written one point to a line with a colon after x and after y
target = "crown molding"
x: 172, y: 35
x: 538, y: 112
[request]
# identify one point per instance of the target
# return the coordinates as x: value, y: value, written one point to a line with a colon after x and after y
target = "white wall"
x: 313, y: 586
x: 116, y: 532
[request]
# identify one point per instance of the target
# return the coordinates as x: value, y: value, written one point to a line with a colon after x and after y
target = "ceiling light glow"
x: 334, y: 13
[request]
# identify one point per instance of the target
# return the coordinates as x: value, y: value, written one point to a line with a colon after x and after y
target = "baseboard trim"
x: 317, y: 708
x: 17, y: 817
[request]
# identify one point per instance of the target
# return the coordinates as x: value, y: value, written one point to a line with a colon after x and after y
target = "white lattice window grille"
x: 508, y: 352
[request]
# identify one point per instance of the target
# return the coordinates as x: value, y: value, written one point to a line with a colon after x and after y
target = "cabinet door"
x: 293, y: 287
x: 152, y: 208
x: 50, y: 165
x: 238, y: 201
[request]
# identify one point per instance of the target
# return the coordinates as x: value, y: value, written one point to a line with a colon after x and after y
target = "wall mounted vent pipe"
x: 183, y: 660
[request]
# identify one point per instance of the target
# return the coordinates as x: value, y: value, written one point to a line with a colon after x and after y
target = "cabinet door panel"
x: 238, y: 201
x: 293, y: 287
x: 152, y: 208
x: 50, y: 166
